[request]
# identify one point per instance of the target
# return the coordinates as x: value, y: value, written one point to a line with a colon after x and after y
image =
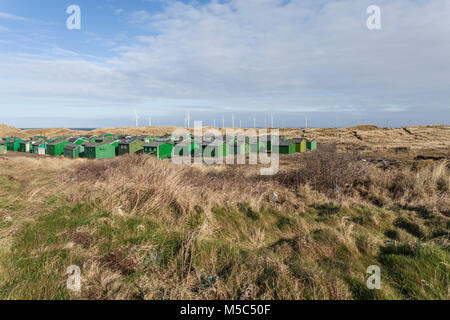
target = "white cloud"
x: 9, y: 16
x: 262, y: 54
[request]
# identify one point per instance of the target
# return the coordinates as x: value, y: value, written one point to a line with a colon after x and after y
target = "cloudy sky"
x: 292, y: 58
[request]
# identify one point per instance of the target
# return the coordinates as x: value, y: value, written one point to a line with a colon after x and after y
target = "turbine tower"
x: 136, y: 117
x: 188, y: 119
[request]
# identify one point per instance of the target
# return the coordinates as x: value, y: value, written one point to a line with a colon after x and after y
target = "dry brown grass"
x: 146, y: 229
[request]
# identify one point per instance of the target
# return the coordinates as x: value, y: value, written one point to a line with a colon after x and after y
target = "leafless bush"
x: 325, y: 170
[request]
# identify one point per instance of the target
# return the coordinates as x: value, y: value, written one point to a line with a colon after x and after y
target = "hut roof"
x: 54, y: 143
x: 284, y: 143
x: 154, y: 144
x: 72, y: 146
x: 129, y: 140
x: 97, y: 144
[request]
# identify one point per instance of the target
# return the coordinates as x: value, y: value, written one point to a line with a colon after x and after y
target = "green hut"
x: 25, y: 146
x: 8, y: 139
x: 300, y: 144
x: 14, y: 144
x: 215, y: 149
x: 77, y: 140
x: 185, y: 147
x: 130, y: 146
x: 240, y: 148
x: 74, y: 151
x: 311, y: 145
x: 285, y: 147
x: 56, y: 148
x: 162, y: 150
x: 256, y: 145
x: 267, y: 141
x: 40, y: 147
x: 100, y: 150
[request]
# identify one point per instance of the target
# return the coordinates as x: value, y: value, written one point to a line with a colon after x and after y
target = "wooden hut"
x: 100, y: 150
x: 311, y: 145
x: 185, y: 148
x: 56, y: 148
x: 215, y: 149
x: 74, y: 151
x: 285, y: 147
x: 14, y: 144
x: 25, y: 146
x: 130, y: 146
x: 300, y: 144
x: 3, y: 148
x: 162, y: 150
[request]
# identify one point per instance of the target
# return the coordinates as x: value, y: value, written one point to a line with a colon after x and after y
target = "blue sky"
x: 297, y: 58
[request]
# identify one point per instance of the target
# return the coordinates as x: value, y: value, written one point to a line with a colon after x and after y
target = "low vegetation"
x: 145, y: 229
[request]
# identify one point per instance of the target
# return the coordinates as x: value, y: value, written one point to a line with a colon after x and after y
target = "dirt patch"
x: 16, y: 154
x: 117, y: 261
x: 80, y: 238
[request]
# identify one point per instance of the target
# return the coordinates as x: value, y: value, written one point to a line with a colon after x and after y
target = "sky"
x: 295, y: 59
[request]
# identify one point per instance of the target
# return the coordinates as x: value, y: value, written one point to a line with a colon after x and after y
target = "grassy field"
x: 139, y: 228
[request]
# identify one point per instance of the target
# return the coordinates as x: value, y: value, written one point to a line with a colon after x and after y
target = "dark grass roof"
x: 285, y: 143
x: 185, y: 143
x: 129, y: 140
x: 74, y: 139
x: 297, y: 140
x: 97, y: 144
x: 72, y: 146
x: 56, y: 142
x: 155, y: 144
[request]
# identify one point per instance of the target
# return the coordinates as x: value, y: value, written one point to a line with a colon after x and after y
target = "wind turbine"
x: 254, y: 123
x: 223, y: 122
x: 271, y: 118
x: 137, y: 118
x: 188, y: 119
x: 232, y: 120
x: 149, y: 121
x: 306, y: 122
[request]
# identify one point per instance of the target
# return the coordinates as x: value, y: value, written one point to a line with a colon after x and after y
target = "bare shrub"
x: 325, y: 170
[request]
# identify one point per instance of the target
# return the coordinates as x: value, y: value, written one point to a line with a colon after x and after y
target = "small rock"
x: 117, y: 211
x: 275, y: 197
x: 8, y: 219
x: 69, y: 245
